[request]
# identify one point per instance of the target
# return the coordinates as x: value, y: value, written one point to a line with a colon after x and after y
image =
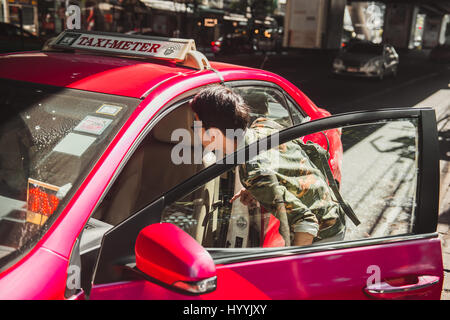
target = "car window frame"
x: 171, y: 106
x: 271, y: 85
x: 177, y: 102
x: 165, y: 110
x: 298, y: 108
x: 274, y: 91
x: 427, y: 194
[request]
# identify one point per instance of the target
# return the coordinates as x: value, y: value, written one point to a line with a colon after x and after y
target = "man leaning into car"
x: 299, y: 197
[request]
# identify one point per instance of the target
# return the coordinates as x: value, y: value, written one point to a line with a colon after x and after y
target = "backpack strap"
x: 344, y: 205
x: 323, y: 156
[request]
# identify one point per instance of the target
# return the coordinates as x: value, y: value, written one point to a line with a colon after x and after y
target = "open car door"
x: 390, y: 177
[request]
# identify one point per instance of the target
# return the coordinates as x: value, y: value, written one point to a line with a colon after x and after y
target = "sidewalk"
x: 440, y: 101
x: 444, y: 209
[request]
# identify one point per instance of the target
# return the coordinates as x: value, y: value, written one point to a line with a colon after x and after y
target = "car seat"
x: 151, y: 172
x: 156, y: 181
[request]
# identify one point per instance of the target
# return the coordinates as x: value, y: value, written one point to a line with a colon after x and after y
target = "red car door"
x: 390, y: 178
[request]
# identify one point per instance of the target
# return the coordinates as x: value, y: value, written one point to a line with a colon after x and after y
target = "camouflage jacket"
x: 287, y: 183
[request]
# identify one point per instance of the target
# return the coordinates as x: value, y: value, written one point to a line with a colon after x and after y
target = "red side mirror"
x: 170, y: 255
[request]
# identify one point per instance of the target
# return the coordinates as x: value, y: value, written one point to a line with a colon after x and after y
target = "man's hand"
x: 246, y: 197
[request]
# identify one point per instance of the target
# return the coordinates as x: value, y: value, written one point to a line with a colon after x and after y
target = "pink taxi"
x: 93, y: 205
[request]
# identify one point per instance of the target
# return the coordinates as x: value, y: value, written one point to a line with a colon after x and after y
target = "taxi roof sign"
x: 179, y: 50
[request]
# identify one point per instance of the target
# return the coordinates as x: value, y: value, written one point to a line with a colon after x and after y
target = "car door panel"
x: 335, y: 274
x: 409, y: 266
x: 343, y: 272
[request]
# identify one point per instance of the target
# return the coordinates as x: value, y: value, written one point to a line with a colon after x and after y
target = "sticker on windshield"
x: 74, y: 144
x: 93, y: 125
x: 41, y: 201
x: 109, y: 109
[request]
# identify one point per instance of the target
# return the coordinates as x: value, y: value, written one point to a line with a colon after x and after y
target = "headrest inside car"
x: 180, y: 118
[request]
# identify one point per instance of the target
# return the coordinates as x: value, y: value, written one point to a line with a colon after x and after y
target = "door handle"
x: 384, y: 290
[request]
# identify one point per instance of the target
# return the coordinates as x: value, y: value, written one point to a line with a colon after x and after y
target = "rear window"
x: 50, y: 138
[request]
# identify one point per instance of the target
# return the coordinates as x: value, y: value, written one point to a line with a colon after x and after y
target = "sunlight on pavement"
x: 379, y: 173
x: 440, y: 101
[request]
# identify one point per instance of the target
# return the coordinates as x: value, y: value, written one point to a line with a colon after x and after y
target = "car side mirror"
x: 168, y: 254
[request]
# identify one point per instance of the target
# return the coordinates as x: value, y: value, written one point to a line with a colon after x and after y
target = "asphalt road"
x: 378, y: 167
x: 310, y: 71
x: 379, y: 179
x: 388, y: 176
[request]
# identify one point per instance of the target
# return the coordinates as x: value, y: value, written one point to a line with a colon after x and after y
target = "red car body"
x: 42, y: 272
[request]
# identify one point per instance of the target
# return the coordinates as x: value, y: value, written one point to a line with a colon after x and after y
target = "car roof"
x: 124, y: 76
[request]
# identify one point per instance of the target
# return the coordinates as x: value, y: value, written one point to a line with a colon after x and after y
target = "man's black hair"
x: 220, y: 107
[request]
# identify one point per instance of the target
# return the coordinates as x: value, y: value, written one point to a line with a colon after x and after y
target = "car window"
x: 49, y: 139
x: 12, y: 31
x: 15, y: 31
x: 364, y: 48
x: 290, y: 191
x: 266, y: 102
x: 136, y: 185
x: 151, y: 171
x: 297, y: 116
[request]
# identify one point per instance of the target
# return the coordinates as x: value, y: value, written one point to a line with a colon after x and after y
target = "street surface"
x: 417, y: 79
x: 379, y: 180
x: 419, y: 83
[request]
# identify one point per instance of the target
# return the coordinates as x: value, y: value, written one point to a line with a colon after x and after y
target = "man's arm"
x: 274, y: 196
x: 302, y: 238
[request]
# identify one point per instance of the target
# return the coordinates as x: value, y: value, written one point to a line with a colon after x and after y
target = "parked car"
x: 261, y: 40
x: 440, y: 53
x: 268, y: 39
x: 232, y: 43
x: 12, y: 38
x: 366, y: 59
x: 93, y: 205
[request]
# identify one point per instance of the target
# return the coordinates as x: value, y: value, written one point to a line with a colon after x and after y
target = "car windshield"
x: 50, y: 138
x: 365, y: 48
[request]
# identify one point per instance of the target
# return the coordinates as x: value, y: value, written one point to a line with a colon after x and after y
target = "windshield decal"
x: 109, y: 109
x: 74, y: 144
x: 41, y: 201
x: 93, y: 125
